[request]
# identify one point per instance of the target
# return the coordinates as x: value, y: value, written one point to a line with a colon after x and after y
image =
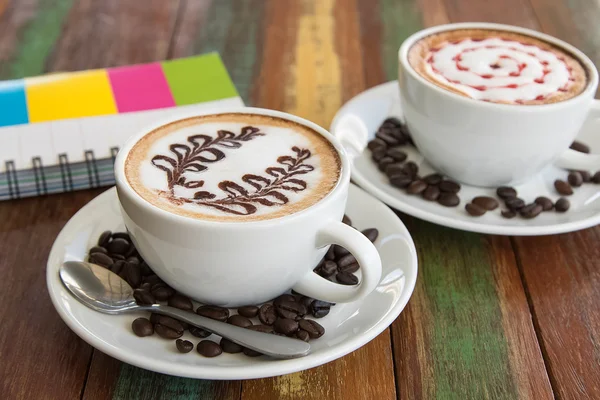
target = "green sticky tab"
x: 198, y: 79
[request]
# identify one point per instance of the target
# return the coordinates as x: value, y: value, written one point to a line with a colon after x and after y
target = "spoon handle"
x: 265, y: 343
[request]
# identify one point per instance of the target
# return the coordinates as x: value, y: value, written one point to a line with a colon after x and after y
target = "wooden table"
x: 491, y: 317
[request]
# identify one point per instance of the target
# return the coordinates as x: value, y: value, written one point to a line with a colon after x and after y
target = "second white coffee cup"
x: 239, y: 263
x: 489, y: 144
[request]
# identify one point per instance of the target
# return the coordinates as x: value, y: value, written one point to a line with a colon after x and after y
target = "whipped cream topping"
x: 498, y: 70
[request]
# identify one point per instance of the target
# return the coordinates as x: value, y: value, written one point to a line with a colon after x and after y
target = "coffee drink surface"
x: 233, y: 167
x: 498, y: 66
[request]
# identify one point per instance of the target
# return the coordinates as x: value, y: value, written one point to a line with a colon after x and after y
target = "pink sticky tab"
x: 140, y: 87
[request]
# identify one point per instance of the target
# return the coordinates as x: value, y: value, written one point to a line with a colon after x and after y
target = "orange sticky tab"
x: 69, y: 95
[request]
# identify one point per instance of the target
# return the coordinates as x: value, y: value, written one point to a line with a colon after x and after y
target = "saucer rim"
x: 215, y: 372
x: 458, y: 222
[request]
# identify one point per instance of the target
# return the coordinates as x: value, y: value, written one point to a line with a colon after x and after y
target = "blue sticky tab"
x: 13, y: 103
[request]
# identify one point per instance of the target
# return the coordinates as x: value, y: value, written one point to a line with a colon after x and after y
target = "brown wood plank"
x: 512, y: 12
x: 113, y: 32
x: 562, y: 277
x: 41, y: 357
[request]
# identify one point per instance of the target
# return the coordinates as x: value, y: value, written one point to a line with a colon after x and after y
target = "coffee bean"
x: 388, y: 139
x: 291, y: 309
x: 401, y: 181
x: 166, y: 332
x: 384, y: 162
x: 475, y: 210
x: 328, y: 268
x: 303, y: 335
x: 393, y: 121
x: 208, y: 348
x: 118, y: 246
x: 349, y: 268
x: 376, y: 144
x: 116, y: 257
x: 508, y: 214
x: 104, y: 238
x: 251, y: 353
x: 199, y: 332
x: 545, y: 202
x: 485, y: 202
x: 267, y: 314
x: 261, y: 328
x: 144, y: 268
x: 121, y: 235
x: 347, y: 278
x: 378, y: 154
x: 411, y: 169
x: 431, y: 193
x: 563, y: 187
x: 346, y: 220
x: 169, y: 322
x: 314, y: 329
x: 248, y: 311
x: 239, y: 320
x: 339, y: 251
x: 371, y: 234
x: 143, y: 297
x: 307, y: 301
x: 213, y: 312
x: 448, y: 199
x: 184, y: 346
x: 433, y: 179
x: 416, y: 187
x: 145, y: 286
x: 284, y: 297
x: 449, y: 186
x: 506, y: 192
x: 142, y: 327
x: 162, y: 293
x: 586, y: 176
x: 596, y: 177
x: 394, y: 169
x: 330, y: 255
x: 580, y: 147
x: 514, y: 203
x: 133, y: 276
x: 180, y: 301
x: 286, y: 326
x: 320, y: 308
x: 229, y: 347
x: 397, y: 154
x: 531, y: 210
x: 152, y: 279
x: 98, y: 249
x: 575, y: 179
x: 346, y: 260
x: 101, y: 259
x: 562, y: 205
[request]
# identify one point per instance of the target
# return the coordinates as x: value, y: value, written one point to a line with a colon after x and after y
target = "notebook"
x: 61, y: 132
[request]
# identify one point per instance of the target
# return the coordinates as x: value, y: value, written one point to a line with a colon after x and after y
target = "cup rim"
x: 585, y: 60
x: 123, y: 185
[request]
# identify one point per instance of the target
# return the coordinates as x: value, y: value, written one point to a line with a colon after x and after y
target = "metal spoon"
x: 104, y: 291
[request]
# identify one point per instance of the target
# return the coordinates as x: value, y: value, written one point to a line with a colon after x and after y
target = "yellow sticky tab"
x: 69, y: 95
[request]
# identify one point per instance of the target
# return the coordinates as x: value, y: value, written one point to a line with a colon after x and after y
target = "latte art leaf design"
x: 196, y: 153
x: 266, y: 190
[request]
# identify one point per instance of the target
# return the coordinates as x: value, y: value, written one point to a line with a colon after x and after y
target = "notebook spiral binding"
x: 92, y: 168
x: 11, y: 177
x: 65, y: 172
x: 40, y: 177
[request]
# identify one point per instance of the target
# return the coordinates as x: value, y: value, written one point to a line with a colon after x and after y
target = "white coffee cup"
x: 240, y: 263
x: 489, y: 144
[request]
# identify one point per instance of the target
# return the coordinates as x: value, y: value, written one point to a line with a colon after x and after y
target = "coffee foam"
x: 498, y: 66
x: 306, y: 165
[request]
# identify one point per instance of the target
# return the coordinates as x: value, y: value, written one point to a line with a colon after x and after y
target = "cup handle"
x: 366, y: 255
x: 575, y: 160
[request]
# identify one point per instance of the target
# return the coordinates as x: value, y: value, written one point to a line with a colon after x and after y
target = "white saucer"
x: 348, y: 326
x: 356, y: 123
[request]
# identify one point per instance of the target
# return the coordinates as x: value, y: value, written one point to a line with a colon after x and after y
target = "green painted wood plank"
x: 37, y: 39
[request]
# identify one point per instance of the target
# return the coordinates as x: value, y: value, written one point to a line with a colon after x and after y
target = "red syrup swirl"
x: 496, y: 65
